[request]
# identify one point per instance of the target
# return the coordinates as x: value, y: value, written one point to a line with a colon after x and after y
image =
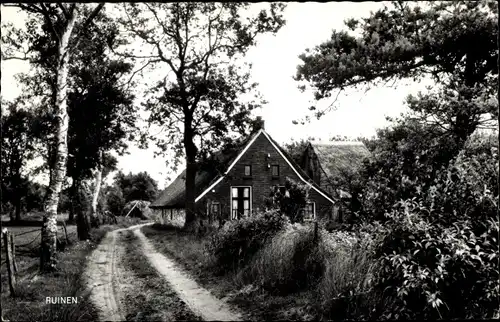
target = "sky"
x: 275, y: 59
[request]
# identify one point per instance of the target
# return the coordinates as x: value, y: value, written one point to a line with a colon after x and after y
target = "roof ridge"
x: 338, y: 143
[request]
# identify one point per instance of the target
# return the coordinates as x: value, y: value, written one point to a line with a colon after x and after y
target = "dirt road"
x: 106, y: 281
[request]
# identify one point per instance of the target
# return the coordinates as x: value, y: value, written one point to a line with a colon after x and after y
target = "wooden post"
x: 132, y: 209
x: 315, y: 231
x: 13, y: 249
x: 65, y: 232
x: 8, y: 254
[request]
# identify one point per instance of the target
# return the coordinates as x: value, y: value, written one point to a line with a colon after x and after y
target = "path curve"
x: 198, y: 299
x: 101, y: 274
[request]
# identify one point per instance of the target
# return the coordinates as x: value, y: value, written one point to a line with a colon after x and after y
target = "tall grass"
x: 287, y: 263
x: 337, y: 268
x: 345, y: 289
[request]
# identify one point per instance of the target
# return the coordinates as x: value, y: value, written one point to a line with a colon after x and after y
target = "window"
x: 248, y: 170
x: 275, y: 170
x: 240, y: 202
x: 309, y: 211
x: 215, y: 208
x: 283, y: 191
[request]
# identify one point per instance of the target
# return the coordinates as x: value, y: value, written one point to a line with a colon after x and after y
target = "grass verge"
x: 149, y: 297
x: 29, y: 303
x: 190, y: 252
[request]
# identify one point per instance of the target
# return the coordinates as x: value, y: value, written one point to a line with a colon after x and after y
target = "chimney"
x: 259, y: 123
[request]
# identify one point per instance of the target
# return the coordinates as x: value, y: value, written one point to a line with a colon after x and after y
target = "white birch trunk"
x: 49, y: 228
x: 97, y: 188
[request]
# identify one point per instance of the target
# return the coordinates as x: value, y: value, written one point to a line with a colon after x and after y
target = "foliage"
x: 439, y: 256
x: 114, y: 201
x: 238, y: 241
x: 140, y: 186
x: 289, y: 201
x: 406, y: 157
x: 296, y: 149
x: 17, y: 150
x: 100, y: 103
x: 452, y: 42
x: 35, y: 196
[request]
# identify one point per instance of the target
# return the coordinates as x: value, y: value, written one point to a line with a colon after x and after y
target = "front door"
x: 240, y: 202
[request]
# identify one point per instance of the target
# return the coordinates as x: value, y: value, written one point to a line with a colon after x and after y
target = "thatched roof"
x: 338, y: 157
x: 174, y: 195
x: 299, y: 169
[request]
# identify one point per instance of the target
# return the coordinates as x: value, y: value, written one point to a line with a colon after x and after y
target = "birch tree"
x: 198, y: 102
x: 61, y: 19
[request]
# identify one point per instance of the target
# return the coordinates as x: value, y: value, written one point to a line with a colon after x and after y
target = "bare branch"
x: 25, y: 58
x: 93, y: 15
x: 87, y: 21
x: 140, y: 70
x: 26, y: 7
x: 46, y: 14
x: 63, y: 9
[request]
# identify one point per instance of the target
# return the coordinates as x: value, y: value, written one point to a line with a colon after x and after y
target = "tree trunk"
x: 191, y: 224
x: 72, y: 196
x: 97, y: 189
x: 82, y: 210
x: 49, y: 228
x: 18, y: 207
x: 17, y: 184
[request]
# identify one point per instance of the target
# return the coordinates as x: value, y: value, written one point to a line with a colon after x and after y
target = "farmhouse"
x: 241, y: 185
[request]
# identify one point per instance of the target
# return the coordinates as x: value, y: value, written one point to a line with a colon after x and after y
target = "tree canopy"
x: 138, y: 186
x: 453, y: 42
x: 200, y: 100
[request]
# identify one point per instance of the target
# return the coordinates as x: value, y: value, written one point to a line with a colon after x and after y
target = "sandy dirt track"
x: 104, y: 278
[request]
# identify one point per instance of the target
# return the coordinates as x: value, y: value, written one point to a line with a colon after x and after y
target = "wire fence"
x: 23, y: 249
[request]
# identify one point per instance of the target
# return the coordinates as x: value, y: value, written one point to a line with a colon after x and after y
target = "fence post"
x: 65, y: 232
x: 315, y: 231
x: 8, y: 255
x: 13, y: 249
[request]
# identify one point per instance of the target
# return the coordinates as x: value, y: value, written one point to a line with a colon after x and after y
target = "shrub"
x: 291, y: 200
x: 234, y: 244
x: 439, y: 258
x: 289, y: 261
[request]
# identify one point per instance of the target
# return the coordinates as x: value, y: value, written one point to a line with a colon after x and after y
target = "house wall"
x: 174, y: 217
x: 261, y: 180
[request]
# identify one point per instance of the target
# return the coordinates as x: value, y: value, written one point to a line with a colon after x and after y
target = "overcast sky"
x: 275, y: 59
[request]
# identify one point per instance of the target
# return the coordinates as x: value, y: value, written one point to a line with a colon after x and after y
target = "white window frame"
x: 211, y: 207
x: 278, y: 167
x: 314, y: 211
x: 231, y: 200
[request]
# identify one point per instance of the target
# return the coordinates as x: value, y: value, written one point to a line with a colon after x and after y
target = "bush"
x: 439, y: 257
x: 238, y: 241
x: 290, y: 201
x: 289, y: 261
